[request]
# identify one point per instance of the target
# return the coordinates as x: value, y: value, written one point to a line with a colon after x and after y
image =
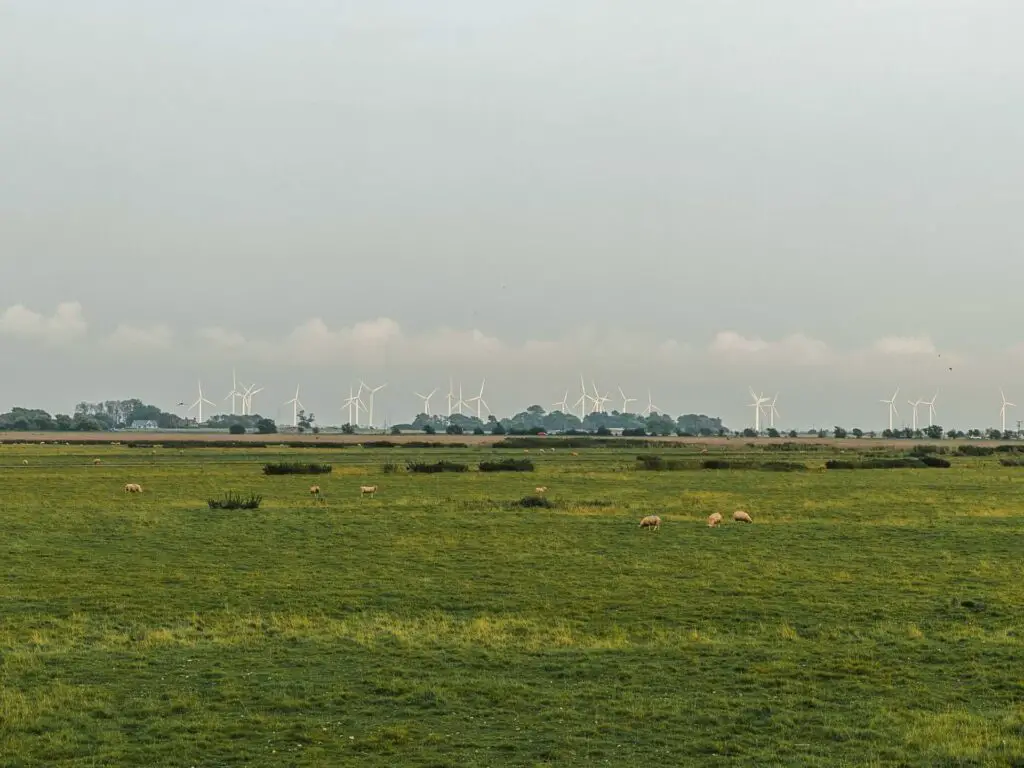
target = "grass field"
x: 870, y: 617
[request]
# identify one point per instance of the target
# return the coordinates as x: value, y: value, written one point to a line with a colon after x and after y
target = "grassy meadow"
x: 867, y: 617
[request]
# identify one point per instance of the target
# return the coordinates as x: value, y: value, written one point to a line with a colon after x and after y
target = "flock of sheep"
x: 653, y: 522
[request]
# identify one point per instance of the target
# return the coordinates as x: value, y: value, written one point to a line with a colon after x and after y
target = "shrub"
x: 296, y: 468
x: 904, y: 463
x: 783, y: 466
x: 975, y: 450
x: 935, y: 461
x: 266, y: 427
x: 507, y: 465
x: 1012, y: 462
x: 233, y: 500
x: 424, y: 468
x: 236, y: 429
x: 640, y: 432
x: 535, y: 501
x: 1010, y: 448
x: 651, y: 463
x: 389, y: 467
x: 715, y: 464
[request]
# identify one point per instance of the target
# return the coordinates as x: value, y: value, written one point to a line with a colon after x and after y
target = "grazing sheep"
x: 739, y: 516
x: 714, y: 520
x: 574, y: 453
x: 132, y: 488
x: 541, y: 489
x: 24, y: 461
x: 97, y: 462
x: 651, y: 521
x: 314, y: 490
x: 367, y: 489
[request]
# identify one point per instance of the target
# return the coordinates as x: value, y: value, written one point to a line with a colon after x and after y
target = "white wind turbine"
x: 479, y: 400
x: 931, y: 409
x: 296, y: 405
x: 773, y: 411
x: 891, y: 402
x: 1002, y: 410
x: 461, y: 403
x: 758, y: 406
x: 598, y: 399
x: 247, y: 398
x: 373, y: 391
x: 582, y: 402
x: 199, y: 404
x: 234, y: 394
x: 914, y: 404
x: 562, y: 405
x: 451, y: 395
x: 426, y: 400
x: 625, y: 401
x: 651, y: 407
x: 353, y: 404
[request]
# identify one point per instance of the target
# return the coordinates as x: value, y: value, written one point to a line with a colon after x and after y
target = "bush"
x: 507, y: 465
x: 639, y: 432
x: 935, y: 461
x: 535, y: 501
x: 1012, y: 462
x: 234, y: 500
x: 1010, y: 449
x: 266, y: 427
x: 236, y: 429
x: 905, y: 463
x: 389, y: 467
x: 478, y: 431
x: 715, y: 464
x: 296, y: 468
x: 975, y: 450
x: 424, y: 468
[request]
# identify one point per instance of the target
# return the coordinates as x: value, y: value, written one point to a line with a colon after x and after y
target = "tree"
x: 236, y: 429
x: 888, y: 434
x: 773, y: 432
x: 934, y: 432
x: 838, y: 432
x: 603, y: 431
x: 395, y: 430
x: 478, y: 430
x: 792, y: 433
x: 348, y: 429
x: 857, y: 432
x: 266, y: 427
x: 454, y: 429
x: 429, y: 429
x: 748, y: 432
x: 498, y: 429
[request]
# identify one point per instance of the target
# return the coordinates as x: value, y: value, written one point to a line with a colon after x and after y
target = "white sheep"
x: 367, y: 489
x: 652, y: 522
x: 739, y: 516
x: 714, y: 520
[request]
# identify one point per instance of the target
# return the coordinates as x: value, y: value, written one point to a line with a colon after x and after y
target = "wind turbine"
x: 479, y: 399
x: 561, y: 405
x: 199, y: 404
x: 234, y: 393
x: 1002, y: 411
x: 353, y: 403
x: 582, y: 402
x: 758, y: 406
x: 451, y: 394
x: 931, y: 409
x: 247, y: 398
x: 914, y: 404
x: 296, y: 407
x: 651, y: 407
x: 426, y: 400
x: 773, y: 411
x: 891, y: 402
x: 625, y: 400
x: 373, y: 391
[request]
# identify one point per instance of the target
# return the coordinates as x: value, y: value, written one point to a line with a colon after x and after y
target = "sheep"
x: 25, y: 462
x: 132, y: 488
x: 714, y: 520
x: 574, y: 454
x: 739, y: 516
x: 541, y: 489
x: 314, y: 490
x: 651, y: 522
x: 97, y: 462
x: 367, y: 489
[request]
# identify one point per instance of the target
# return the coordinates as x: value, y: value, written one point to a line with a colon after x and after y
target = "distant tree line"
x: 117, y: 414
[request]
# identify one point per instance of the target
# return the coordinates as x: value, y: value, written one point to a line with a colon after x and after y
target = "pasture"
x: 867, y: 617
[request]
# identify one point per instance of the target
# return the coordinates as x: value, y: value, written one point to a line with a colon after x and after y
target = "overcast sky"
x: 816, y: 197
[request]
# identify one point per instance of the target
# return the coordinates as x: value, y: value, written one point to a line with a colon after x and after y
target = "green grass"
x: 866, y: 618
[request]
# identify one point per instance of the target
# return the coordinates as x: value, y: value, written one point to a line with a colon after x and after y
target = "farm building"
x: 144, y: 424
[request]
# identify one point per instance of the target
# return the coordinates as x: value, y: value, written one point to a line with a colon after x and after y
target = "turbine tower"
x: 561, y: 405
x: 758, y: 406
x: 373, y: 391
x: 598, y: 399
x: 479, y: 400
x: 247, y: 398
x: 451, y: 394
x: 651, y: 407
x: 625, y: 401
x: 914, y: 404
x: 296, y: 407
x: 891, y: 402
x: 199, y: 404
x: 772, y: 411
x: 234, y: 394
x: 426, y: 400
x: 353, y: 403
x: 931, y: 409
x: 582, y: 402
x: 1002, y: 410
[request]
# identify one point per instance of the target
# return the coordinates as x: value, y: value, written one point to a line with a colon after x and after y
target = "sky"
x: 819, y: 199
